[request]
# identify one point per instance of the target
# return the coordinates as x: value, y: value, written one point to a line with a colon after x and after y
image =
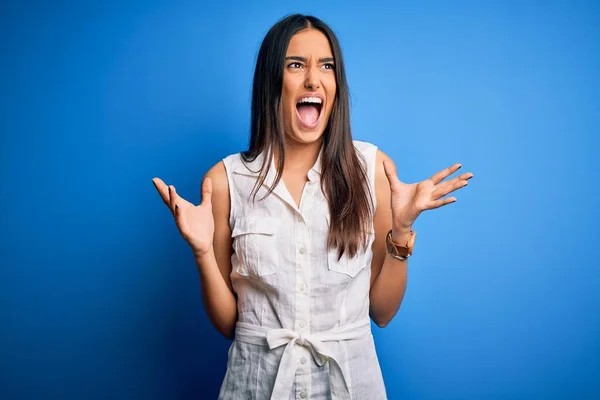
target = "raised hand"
x: 195, y: 223
x: 410, y: 200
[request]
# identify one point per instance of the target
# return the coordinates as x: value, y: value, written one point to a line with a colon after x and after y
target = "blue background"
x: 99, y: 295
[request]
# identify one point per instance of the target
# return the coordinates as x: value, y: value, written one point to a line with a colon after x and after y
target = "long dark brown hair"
x: 343, y: 176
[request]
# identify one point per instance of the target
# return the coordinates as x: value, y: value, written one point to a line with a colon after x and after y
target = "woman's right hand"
x: 195, y: 223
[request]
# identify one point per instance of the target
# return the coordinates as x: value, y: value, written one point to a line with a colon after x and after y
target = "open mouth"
x: 309, y: 109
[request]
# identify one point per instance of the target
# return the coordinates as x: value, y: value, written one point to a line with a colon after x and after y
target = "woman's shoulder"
x: 362, y: 145
x: 218, y: 177
x: 374, y: 156
x: 220, y: 173
x: 232, y: 160
x: 369, y: 151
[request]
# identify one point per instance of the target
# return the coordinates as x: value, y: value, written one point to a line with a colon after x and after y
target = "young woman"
x: 303, y: 237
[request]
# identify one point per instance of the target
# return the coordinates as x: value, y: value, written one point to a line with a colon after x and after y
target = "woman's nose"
x: 312, y: 81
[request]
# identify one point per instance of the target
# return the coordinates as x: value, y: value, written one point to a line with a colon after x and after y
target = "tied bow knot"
x: 315, y: 342
x: 300, y: 340
x: 289, y: 338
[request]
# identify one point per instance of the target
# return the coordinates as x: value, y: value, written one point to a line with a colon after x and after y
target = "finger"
x: 173, y: 198
x: 466, y: 176
x: 456, y: 183
x: 206, y: 192
x: 177, y: 203
x: 443, y: 174
x: 447, y: 188
x: 462, y: 177
x: 175, y: 206
x: 162, y: 190
x: 439, y: 203
x: 390, y: 173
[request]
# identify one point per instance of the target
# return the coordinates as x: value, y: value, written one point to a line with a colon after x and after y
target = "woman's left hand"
x: 410, y: 200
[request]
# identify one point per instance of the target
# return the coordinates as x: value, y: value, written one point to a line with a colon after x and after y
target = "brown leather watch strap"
x: 397, y: 250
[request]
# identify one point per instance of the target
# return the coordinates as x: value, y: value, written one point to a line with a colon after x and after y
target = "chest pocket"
x: 347, y: 265
x: 254, y: 243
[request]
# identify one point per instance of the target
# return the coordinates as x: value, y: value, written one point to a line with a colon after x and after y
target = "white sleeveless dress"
x: 303, y: 328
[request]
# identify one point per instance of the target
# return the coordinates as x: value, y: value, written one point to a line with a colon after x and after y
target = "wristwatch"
x: 400, y: 251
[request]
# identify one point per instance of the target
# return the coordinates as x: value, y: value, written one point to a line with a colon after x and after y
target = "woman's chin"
x: 304, y: 136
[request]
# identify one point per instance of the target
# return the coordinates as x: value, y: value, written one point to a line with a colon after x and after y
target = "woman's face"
x: 308, y: 86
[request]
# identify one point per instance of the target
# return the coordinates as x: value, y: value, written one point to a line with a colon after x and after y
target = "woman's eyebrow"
x: 296, y: 58
x: 303, y: 59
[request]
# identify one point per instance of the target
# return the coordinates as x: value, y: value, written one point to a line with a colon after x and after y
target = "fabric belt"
x: 315, y: 342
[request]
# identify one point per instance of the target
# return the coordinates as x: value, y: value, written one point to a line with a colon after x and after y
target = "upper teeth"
x: 310, y: 100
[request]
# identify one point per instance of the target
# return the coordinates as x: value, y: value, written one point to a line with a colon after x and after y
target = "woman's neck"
x: 299, y: 158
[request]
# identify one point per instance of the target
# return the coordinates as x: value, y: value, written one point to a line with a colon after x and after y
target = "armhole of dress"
x: 371, y: 170
x: 228, y: 163
x: 369, y: 153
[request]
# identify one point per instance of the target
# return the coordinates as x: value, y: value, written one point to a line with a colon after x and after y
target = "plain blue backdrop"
x: 99, y: 295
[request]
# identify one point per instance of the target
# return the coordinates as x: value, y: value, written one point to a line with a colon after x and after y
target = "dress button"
x: 301, y: 324
x: 299, y: 218
x: 302, y: 395
x: 303, y: 360
x: 302, y: 250
x: 301, y: 287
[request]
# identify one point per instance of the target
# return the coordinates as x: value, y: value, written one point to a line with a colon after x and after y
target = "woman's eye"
x: 329, y: 66
x: 295, y: 65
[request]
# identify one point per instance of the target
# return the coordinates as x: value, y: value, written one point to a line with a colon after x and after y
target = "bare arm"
x: 388, y: 274
x: 206, y: 229
x: 398, y: 206
x: 214, y: 266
